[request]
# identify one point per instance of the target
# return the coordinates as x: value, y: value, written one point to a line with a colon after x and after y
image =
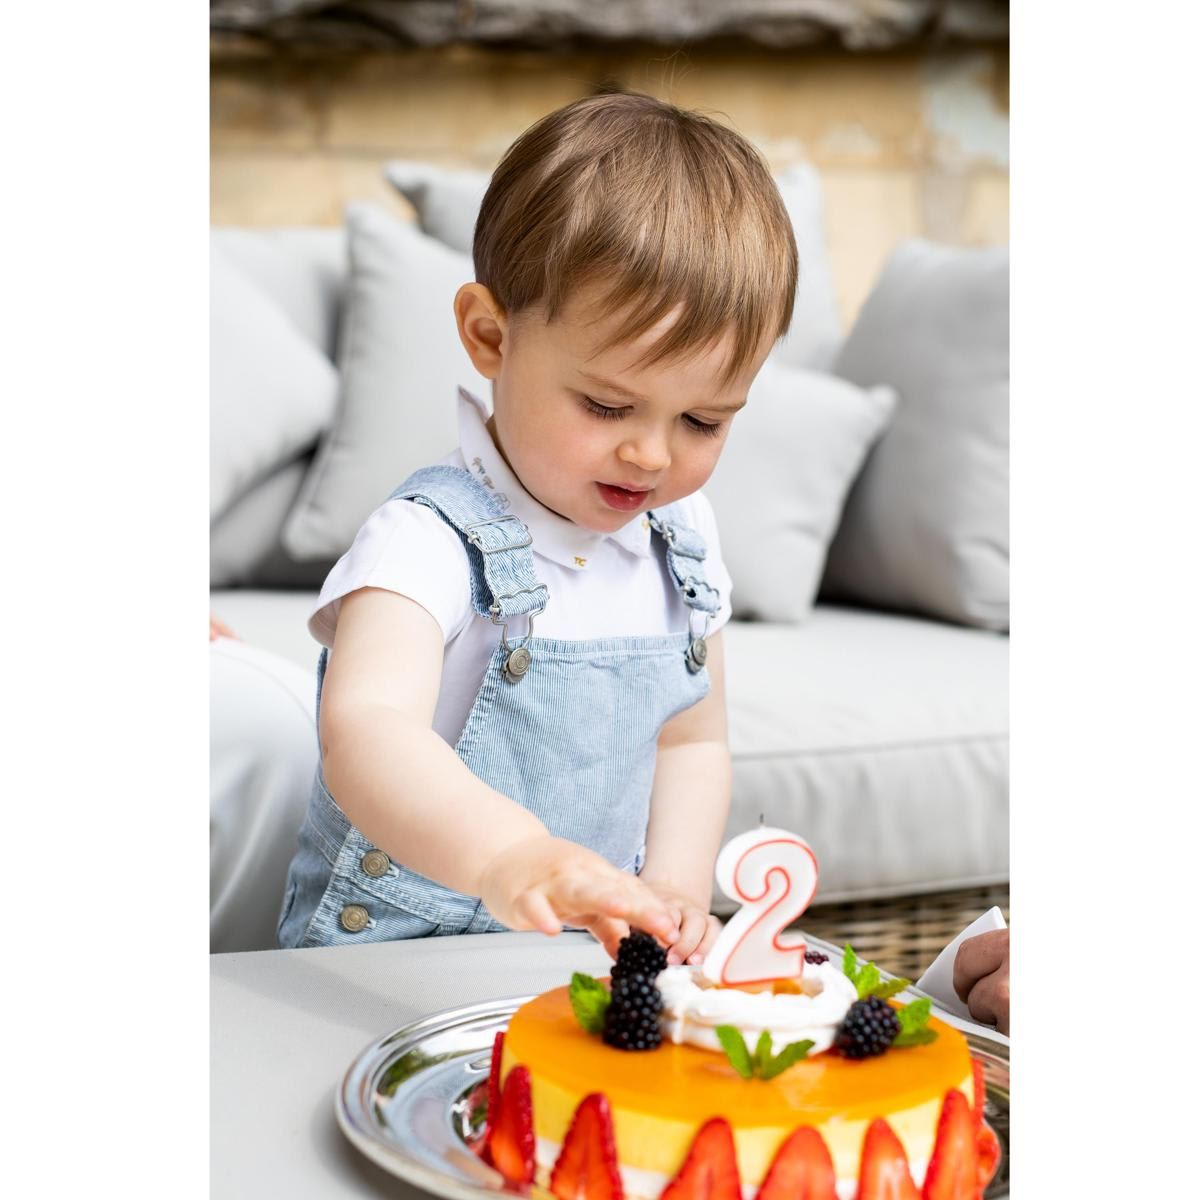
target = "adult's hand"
x: 218, y: 629
x: 981, y: 977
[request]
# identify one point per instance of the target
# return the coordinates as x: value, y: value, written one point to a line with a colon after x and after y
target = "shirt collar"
x: 554, y: 537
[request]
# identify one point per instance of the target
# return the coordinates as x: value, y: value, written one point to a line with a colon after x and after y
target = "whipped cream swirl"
x: 693, y: 1007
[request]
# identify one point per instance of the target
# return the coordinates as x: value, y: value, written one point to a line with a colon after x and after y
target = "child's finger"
x: 691, y: 934
x: 609, y: 931
x: 535, y: 908
x: 629, y: 900
x: 712, y: 931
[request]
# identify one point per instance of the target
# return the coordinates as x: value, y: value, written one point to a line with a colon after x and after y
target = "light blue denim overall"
x: 568, y: 729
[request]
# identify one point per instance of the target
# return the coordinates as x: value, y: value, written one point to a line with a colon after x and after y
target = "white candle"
x: 772, y: 874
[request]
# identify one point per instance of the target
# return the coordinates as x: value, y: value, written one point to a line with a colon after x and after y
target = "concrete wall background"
x: 908, y: 143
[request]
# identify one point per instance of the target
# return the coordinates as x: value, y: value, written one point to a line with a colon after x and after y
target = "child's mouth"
x: 622, y: 499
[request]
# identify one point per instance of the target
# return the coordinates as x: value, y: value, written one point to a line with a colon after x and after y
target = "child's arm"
x: 414, y: 798
x: 688, y: 810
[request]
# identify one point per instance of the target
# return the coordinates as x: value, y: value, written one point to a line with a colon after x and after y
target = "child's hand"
x: 698, y: 928
x: 545, y: 882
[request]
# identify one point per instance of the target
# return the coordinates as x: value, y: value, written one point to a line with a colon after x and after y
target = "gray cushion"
x: 778, y: 489
x: 244, y: 548
x: 272, y: 390
x: 401, y: 362
x: 447, y: 203
x: 816, y: 329
x: 302, y: 270
x: 882, y: 739
x: 926, y: 526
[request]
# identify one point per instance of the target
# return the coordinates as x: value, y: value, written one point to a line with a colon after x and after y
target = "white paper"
x: 938, y: 980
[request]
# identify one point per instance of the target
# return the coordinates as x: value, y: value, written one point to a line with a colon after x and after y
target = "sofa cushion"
x: 882, y: 739
x: 926, y: 526
x: 302, y: 270
x: 778, y: 489
x: 244, y: 547
x: 401, y: 364
x: 271, y: 390
x: 276, y: 621
x: 447, y: 203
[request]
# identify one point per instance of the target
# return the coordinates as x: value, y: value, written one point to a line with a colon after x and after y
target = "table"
x: 286, y: 1024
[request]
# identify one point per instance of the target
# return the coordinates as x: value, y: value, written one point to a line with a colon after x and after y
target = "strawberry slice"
x: 954, y: 1166
x: 587, y: 1163
x: 801, y: 1169
x: 493, y: 1089
x: 979, y: 1092
x: 883, y: 1173
x: 710, y: 1171
x: 510, y: 1139
x: 988, y: 1146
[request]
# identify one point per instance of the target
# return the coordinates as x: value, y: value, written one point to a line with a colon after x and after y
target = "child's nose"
x: 648, y: 452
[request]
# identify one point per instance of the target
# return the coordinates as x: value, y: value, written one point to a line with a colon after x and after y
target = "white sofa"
x: 881, y: 737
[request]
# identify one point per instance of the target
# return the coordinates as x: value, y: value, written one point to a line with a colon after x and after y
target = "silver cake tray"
x: 414, y: 1102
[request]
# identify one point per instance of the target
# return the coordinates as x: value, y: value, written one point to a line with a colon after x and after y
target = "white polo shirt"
x: 601, y: 584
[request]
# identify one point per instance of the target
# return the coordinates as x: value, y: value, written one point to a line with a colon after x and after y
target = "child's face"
x: 597, y: 439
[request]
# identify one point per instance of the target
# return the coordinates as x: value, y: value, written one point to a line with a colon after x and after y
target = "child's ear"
x: 482, y: 327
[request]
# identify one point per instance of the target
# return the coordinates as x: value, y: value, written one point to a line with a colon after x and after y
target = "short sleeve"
x: 403, y: 547
x: 704, y: 521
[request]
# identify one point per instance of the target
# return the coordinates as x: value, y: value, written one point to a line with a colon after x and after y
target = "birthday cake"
x: 771, y: 1071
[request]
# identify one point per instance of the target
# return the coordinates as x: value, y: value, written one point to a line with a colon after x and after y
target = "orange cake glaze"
x: 659, y: 1098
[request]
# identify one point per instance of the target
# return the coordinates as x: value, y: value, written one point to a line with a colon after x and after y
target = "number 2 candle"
x: 772, y: 874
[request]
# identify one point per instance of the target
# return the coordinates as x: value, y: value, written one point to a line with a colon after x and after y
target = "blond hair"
x: 660, y: 206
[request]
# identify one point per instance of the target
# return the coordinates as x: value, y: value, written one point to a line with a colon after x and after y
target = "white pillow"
x: 926, y: 525
x: 401, y: 364
x: 447, y: 203
x: 816, y: 330
x: 271, y: 390
x: 777, y: 492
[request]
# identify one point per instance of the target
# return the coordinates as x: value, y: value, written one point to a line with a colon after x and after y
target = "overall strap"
x: 503, y: 582
x: 685, y: 558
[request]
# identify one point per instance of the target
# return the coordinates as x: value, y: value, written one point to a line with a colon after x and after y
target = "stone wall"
x: 909, y: 142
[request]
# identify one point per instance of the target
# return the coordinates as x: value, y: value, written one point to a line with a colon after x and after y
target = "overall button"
x: 354, y: 918
x: 697, y: 655
x: 517, y: 663
x: 376, y: 863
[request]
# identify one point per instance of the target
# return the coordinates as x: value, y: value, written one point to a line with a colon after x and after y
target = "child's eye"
x: 603, y: 411
x: 703, y: 426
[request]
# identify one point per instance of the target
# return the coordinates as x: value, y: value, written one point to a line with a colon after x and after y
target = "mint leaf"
x: 589, y: 1001
x: 868, y: 980
x: 791, y: 1054
x: 850, y: 964
x: 914, y: 1019
x: 734, y: 1046
x: 914, y: 1016
x: 762, y: 1052
x: 918, y: 1037
x: 886, y: 990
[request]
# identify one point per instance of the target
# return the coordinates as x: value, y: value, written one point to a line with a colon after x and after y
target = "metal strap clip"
x: 518, y: 657
x: 475, y: 540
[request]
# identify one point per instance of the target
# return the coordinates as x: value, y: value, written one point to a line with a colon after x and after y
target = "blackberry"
x: 631, y: 1020
x: 639, y: 954
x: 870, y: 1028
x: 815, y: 957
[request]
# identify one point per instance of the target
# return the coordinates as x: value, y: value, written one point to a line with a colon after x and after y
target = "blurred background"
x: 862, y: 498
x: 901, y: 106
